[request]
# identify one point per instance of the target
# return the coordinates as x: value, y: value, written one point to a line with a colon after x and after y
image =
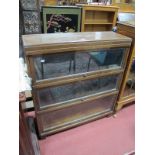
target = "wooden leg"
x: 74, y: 65
x: 118, y: 107
x: 42, y: 73
x: 33, y: 135
x: 132, y: 84
x: 88, y: 64
x: 70, y: 65
x: 42, y: 68
x: 99, y: 82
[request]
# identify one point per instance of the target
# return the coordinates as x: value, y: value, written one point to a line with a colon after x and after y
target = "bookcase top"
x: 35, y: 42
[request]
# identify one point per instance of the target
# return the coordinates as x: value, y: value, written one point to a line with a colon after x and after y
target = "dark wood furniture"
x: 65, y: 99
x: 28, y: 143
x: 127, y: 92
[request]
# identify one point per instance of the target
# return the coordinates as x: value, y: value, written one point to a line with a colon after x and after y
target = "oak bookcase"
x: 76, y: 77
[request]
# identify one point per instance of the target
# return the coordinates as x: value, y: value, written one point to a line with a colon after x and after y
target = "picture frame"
x: 61, y: 19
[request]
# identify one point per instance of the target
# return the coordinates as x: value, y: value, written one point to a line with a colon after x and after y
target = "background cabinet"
x: 127, y: 93
x: 75, y: 76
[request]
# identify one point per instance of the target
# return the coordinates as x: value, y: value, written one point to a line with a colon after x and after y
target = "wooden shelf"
x: 97, y: 22
x: 97, y: 27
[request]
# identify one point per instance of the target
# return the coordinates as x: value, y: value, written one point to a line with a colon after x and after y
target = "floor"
x: 107, y: 136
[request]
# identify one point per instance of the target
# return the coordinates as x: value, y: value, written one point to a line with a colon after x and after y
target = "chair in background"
x: 98, y: 57
x: 105, y: 57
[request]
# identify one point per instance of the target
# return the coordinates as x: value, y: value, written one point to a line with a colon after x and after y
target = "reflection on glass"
x: 75, y: 90
x: 79, y: 111
x: 56, y: 65
x: 130, y: 84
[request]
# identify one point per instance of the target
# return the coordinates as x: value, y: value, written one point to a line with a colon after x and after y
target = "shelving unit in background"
x: 98, y: 18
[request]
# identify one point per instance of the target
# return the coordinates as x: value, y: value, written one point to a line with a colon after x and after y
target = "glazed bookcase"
x: 75, y: 76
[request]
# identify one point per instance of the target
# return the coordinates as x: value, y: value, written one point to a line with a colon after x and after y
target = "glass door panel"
x: 63, y: 64
x: 53, y: 95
